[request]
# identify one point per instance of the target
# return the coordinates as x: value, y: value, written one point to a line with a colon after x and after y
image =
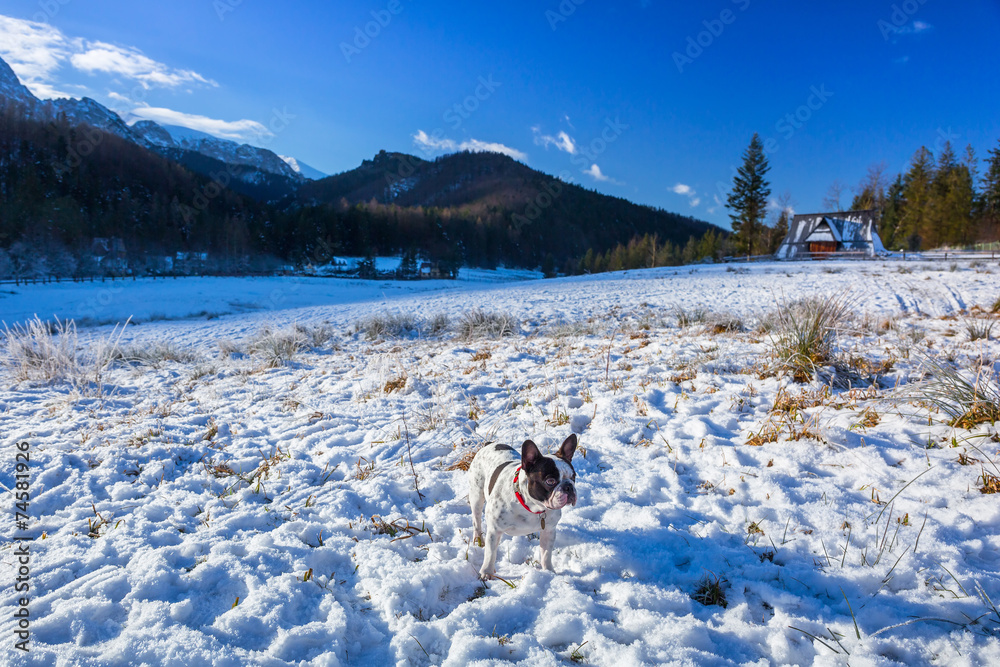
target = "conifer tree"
x: 915, y: 221
x: 891, y: 215
x: 748, y: 199
x: 990, y: 198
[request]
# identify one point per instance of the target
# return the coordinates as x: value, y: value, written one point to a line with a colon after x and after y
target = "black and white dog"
x: 520, y: 499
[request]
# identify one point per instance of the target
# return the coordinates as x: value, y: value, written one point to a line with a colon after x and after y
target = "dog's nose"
x: 570, y: 492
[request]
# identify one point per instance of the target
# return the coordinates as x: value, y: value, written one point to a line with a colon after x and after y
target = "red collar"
x: 517, y: 494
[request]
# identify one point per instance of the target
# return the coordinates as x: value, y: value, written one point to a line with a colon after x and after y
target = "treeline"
x: 937, y: 202
x: 648, y: 252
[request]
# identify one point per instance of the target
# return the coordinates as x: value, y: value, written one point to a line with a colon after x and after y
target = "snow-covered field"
x: 228, y: 508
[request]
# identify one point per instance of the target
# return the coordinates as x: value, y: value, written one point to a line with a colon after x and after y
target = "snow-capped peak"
x: 303, y: 169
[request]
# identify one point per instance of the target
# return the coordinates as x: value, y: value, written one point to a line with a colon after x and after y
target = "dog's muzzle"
x: 564, y: 494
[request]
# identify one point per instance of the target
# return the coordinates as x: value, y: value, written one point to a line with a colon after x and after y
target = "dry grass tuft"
x: 42, y: 351
x: 155, y: 354
x: 979, y: 329
x: 482, y: 324
x: 990, y: 483
x: 710, y: 592
x: 803, y: 333
x: 967, y: 403
x: 725, y: 323
x: 465, y: 462
x: 395, y: 385
x: 687, y: 318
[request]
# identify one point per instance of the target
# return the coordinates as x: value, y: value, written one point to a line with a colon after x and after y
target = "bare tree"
x: 871, y: 191
x: 832, y: 201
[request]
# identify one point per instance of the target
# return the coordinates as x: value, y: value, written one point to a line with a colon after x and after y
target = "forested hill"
x: 489, y: 206
x: 63, y: 186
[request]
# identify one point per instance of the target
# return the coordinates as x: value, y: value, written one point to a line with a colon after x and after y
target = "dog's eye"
x: 551, y: 481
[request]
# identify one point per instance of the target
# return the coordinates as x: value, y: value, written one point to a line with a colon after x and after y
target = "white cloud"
x: 38, y: 52
x: 687, y: 191
x: 237, y: 130
x: 562, y: 141
x: 892, y: 32
x: 430, y: 143
x: 35, y: 51
x: 595, y: 173
x: 133, y: 64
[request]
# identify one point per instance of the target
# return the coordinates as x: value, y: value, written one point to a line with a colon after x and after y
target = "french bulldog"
x: 521, y: 495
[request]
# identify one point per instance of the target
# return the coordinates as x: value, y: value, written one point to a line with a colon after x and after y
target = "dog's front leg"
x: 490, y: 552
x: 477, y: 499
x: 547, y: 541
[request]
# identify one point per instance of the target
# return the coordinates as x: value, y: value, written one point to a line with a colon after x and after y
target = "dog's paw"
x: 485, y: 576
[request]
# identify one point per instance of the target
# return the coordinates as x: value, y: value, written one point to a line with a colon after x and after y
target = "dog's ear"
x: 567, y: 449
x: 530, y: 455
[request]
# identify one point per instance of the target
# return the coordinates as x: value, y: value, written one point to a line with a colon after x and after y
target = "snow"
x: 220, y: 479
x: 303, y: 169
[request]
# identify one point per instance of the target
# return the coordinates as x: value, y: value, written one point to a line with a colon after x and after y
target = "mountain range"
x: 185, y: 190
x: 254, y: 164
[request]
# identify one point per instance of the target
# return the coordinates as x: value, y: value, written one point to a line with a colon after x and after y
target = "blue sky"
x: 649, y: 100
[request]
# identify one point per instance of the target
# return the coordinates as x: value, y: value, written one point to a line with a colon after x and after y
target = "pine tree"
x: 780, y: 230
x: 990, y: 198
x: 915, y: 221
x: 748, y: 199
x: 891, y: 215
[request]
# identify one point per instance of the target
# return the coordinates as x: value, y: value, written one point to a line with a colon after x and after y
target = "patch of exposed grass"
x: 155, y: 354
x: 42, y: 351
x: 395, y: 384
x: 315, y: 336
x: 979, y: 329
x: 710, y: 592
x: 990, y: 483
x: 721, y: 323
x: 483, y: 324
x: 401, y: 325
x: 967, y: 402
x: 687, y: 318
x: 804, y: 333
x: 50, y: 352
x: 277, y: 348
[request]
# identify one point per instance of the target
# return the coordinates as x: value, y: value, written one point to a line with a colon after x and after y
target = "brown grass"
x: 394, y: 385
x: 464, y: 462
x: 990, y: 483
